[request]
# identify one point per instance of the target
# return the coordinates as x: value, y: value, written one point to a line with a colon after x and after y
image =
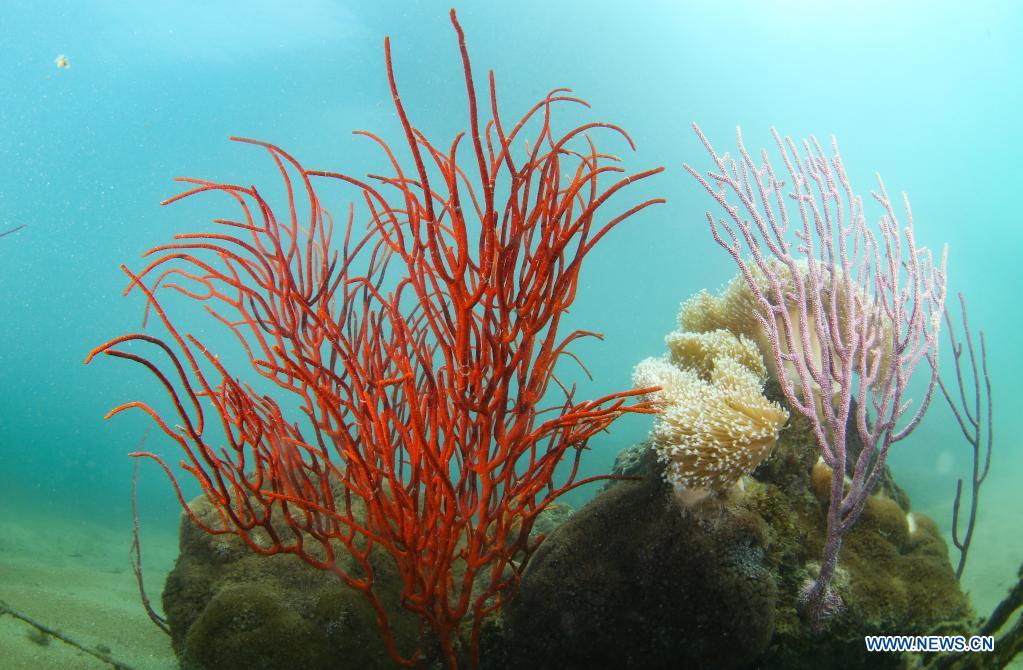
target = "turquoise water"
x: 928, y: 94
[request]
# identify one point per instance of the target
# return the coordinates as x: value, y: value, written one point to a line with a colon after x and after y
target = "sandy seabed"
x: 74, y: 576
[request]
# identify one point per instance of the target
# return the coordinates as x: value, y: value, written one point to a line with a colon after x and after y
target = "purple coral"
x: 846, y: 315
x: 827, y: 605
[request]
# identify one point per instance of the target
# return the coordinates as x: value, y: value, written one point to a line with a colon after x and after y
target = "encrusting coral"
x: 715, y: 425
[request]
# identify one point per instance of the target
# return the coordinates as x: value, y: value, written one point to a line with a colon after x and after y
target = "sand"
x: 74, y: 576
x: 996, y: 555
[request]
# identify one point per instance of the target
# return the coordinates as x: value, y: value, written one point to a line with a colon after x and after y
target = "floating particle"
x: 62, y: 62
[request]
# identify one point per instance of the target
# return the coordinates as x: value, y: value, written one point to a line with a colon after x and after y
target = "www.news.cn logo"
x: 929, y: 643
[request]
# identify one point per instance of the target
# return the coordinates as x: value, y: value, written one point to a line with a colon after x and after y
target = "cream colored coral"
x: 713, y: 427
x: 732, y: 309
x: 699, y: 350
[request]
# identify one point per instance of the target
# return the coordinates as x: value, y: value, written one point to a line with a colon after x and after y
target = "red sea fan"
x: 420, y: 348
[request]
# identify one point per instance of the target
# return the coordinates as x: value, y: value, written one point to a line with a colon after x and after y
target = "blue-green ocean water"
x: 926, y: 93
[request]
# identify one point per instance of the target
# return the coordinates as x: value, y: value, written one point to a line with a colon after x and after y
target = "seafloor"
x: 73, y: 575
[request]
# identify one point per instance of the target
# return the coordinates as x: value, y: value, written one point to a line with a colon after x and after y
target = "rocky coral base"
x: 229, y: 607
x: 636, y: 581
x: 630, y: 581
x: 616, y: 588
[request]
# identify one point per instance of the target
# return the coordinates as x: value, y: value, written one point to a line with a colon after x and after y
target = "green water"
x: 926, y: 93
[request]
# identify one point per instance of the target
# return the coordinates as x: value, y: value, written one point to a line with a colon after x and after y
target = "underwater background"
x: 925, y: 93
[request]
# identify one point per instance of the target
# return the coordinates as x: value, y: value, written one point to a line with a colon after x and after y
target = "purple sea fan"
x: 845, y: 311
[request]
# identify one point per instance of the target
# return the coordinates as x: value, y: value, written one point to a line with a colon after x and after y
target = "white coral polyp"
x: 712, y: 429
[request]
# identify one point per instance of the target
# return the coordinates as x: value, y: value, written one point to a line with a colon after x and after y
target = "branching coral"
x: 849, y: 311
x: 404, y: 399
x: 715, y: 424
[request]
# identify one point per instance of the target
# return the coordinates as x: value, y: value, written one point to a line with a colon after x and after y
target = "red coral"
x: 419, y: 353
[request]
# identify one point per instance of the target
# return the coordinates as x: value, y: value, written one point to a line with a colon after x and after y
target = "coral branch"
x: 419, y: 350
x: 846, y: 315
x: 135, y: 553
x: 100, y: 653
x: 13, y: 230
x: 975, y: 416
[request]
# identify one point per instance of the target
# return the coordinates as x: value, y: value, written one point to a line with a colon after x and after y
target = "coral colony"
x: 421, y: 350
x: 715, y: 425
x: 417, y: 349
x: 844, y: 318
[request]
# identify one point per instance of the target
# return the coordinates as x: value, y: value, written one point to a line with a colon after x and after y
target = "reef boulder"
x: 636, y: 580
x: 229, y: 607
x: 630, y: 582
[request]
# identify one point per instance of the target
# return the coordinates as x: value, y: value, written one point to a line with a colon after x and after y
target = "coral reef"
x: 714, y: 425
x: 735, y: 307
x: 630, y: 582
x: 698, y: 351
x: 230, y: 608
x: 976, y: 423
